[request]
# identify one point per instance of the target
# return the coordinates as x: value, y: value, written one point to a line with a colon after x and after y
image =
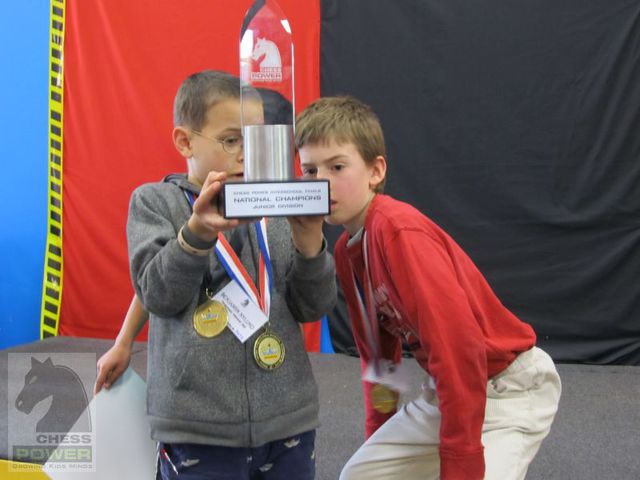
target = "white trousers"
x: 521, y: 404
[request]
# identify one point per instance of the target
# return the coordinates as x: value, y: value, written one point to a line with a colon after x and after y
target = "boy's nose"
x: 321, y: 174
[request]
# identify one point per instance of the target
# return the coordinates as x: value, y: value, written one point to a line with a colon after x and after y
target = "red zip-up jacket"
x: 428, y: 293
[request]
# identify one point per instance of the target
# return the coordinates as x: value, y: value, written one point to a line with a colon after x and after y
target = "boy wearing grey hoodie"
x: 218, y: 407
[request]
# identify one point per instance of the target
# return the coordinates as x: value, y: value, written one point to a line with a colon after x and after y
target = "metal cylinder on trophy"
x: 267, y: 71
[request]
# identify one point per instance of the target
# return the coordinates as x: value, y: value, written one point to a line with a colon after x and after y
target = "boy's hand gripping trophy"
x: 266, y: 66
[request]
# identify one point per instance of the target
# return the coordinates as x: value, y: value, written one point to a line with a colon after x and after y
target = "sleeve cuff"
x: 323, y: 249
x: 462, y: 467
x: 192, y: 244
x: 195, y: 241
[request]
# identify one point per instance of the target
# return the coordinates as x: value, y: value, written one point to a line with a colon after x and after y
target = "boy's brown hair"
x: 202, y: 90
x: 343, y: 120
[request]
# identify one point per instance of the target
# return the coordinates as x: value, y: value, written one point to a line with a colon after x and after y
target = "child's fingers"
x: 117, y: 372
x: 100, y: 379
x: 207, y: 198
x: 213, y: 177
x: 245, y: 221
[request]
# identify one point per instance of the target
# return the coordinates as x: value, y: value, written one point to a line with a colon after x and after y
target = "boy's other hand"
x: 306, y: 232
x: 207, y: 220
x: 111, y: 365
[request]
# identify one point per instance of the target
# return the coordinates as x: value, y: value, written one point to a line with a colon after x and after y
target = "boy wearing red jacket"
x: 490, y: 395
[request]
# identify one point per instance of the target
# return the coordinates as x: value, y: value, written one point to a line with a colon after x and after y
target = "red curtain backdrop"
x: 123, y: 63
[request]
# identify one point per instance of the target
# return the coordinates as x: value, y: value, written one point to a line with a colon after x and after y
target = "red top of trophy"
x: 266, y: 49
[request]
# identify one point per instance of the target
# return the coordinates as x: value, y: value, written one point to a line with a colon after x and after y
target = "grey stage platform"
x: 596, y: 434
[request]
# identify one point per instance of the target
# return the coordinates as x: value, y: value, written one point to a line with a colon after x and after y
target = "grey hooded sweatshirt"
x: 211, y: 390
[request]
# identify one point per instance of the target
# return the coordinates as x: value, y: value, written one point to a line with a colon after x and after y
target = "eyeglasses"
x: 231, y: 144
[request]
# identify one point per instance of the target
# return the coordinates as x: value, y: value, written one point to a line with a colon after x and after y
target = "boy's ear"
x: 378, y: 172
x: 182, y: 141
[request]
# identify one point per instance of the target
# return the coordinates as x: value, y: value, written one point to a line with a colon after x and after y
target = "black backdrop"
x: 516, y: 127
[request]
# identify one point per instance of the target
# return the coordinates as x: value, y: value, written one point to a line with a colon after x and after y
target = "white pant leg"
x: 521, y: 404
x: 405, y: 447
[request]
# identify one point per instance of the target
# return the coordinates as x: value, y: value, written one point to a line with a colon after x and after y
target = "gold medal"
x: 268, y: 350
x: 210, y: 318
x: 384, y: 399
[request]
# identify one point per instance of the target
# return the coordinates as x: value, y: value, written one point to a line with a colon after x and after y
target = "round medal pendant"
x: 210, y: 319
x: 268, y: 350
x: 384, y: 399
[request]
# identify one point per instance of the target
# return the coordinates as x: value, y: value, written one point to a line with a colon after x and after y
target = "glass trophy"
x: 270, y: 188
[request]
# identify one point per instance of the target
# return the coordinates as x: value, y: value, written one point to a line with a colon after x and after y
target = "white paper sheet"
x: 122, y: 448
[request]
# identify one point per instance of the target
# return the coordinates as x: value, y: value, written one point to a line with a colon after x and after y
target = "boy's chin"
x: 332, y: 221
x: 235, y: 179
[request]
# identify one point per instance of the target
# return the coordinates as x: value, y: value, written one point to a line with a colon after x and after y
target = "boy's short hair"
x: 277, y: 109
x: 202, y: 90
x: 344, y: 120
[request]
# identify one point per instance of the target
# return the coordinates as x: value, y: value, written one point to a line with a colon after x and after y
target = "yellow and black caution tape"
x: 52, y: 283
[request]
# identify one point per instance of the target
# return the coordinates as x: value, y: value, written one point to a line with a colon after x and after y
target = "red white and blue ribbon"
x: 265, y: 269
x: 236, y: 270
